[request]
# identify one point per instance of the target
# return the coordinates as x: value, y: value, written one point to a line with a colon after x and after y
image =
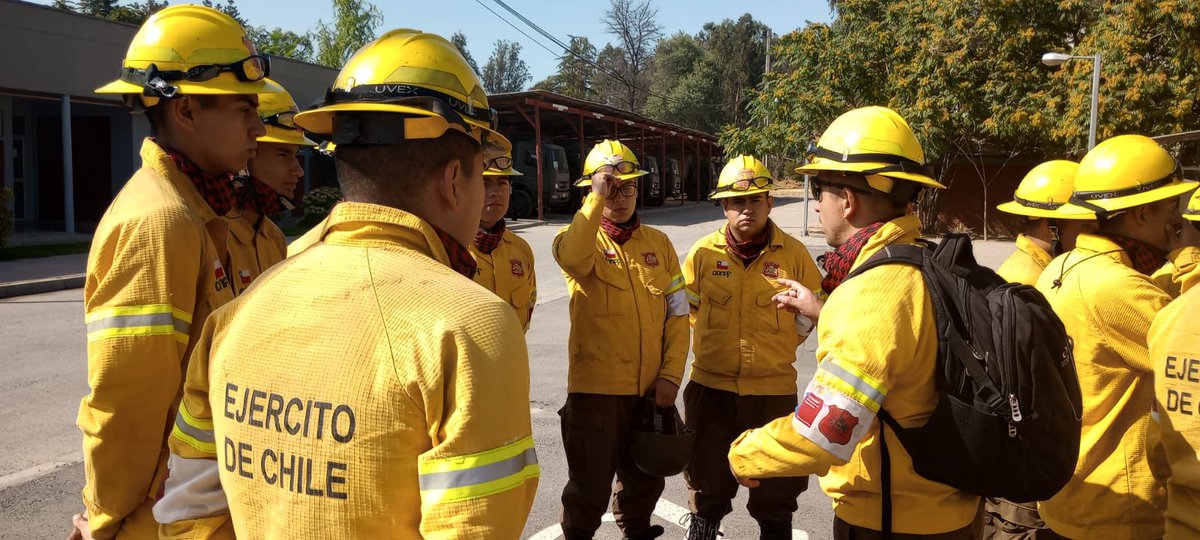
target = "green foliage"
x: 460, y: 42
x: 132, y: 13
x: 319, y: 202
x: 282, y: 43
x: 505, y: 71
x: 354, y: 25
x: 576, y: 76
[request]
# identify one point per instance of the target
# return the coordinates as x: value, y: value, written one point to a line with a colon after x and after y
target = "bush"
x: 319, y: 202
x: 7, y: 219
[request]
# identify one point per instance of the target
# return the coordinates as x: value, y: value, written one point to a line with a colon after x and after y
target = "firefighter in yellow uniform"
x: 156, y: 268
x: 743, y: 375
x: 256, y: 243
x: 629, y: 338
x: 409, y: 416
x: 1103, y: 293
x: 1175, y: 351
x: 869, y: 168
x: 505, y: 260
x: 1047, y: 231
x: 1182, y: 260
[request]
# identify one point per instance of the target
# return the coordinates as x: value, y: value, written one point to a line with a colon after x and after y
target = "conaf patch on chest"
x: 771, y: 269
x: 220, y: 280
x: 610, y: 255
x: 651, y: 258
x: 518, y: 268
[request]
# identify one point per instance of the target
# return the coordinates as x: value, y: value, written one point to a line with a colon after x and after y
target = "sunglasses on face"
x: 820, y: 186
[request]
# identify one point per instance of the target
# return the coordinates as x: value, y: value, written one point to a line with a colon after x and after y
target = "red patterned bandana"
x: 1145, y: 257
x: 256, y: 194
x: 460, y: 258
x: 837, y: 263
x: 621, y: 232
x: 217, y: 189
x: 747, y: 251
x: 487, y: 240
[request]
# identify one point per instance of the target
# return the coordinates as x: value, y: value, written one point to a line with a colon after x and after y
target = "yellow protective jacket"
x: 1026, y: 263
x: 742, y: 342
x: 1180, y: 262
x: 154, y: 273
x: 1107, y: 307
x: 306, y: 240
x: 508, y: 272
x: 877, y: 347
x: 628, y: 309
x: 255, y: 244
x: 1175, y: 350
x: 408, y: 418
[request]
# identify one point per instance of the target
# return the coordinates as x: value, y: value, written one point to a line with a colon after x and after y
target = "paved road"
x: 43, y: 376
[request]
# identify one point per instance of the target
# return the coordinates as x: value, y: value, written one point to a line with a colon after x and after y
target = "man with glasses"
x: 256, y: 243
x: 877, y: 344
x: 743, y: 374
x: 629, y: 338
x: 158, y: 261
x: 505, y: 260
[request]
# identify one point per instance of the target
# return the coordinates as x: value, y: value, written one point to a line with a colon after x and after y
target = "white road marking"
x: 667, y: 510
x: 38, y: 471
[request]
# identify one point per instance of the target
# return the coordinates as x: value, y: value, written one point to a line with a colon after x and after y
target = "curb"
x: 39, y: 286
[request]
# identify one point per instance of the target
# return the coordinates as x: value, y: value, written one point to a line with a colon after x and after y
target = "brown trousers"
x: 1007, y: 520
x: 595, y: 431
x: 718, y: 417
x: 846, y: 531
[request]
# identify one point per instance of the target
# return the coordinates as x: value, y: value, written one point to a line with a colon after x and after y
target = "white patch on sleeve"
x: 677, y: 303
x: 193, y: 490
x: 832, y: 420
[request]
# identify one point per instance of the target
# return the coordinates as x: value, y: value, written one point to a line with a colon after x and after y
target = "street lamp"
x: 1055, y: 59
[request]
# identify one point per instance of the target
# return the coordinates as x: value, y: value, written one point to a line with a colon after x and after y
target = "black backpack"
x: 1009, y: 407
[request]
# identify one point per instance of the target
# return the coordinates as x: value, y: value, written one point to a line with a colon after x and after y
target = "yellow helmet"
x: 615, y: 154
x: 189, y: 50
x: 501, y: 166
x: 1044, y: 190
x: 278, y: 112
x: 422, y: 80
x: 1192, y: 212
x: 743, y: 175
x: 874, y: 142
x: 1123, y: 172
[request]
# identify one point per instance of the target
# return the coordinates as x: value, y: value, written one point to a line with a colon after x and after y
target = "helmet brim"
x: 320, y: 120
x: 216, y: 87
x: 1114, y: 204
x: 1015, y: 208
x: 275, y: 137
x: 506, y: 172
x: 730, y: 194
x: 824, y: 165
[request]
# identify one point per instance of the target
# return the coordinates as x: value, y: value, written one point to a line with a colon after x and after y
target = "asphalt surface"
x: 43, y: 375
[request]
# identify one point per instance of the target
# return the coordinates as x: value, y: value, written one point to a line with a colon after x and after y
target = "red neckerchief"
x: 1145, y: 257
x: 256, y: 194
x: 217, y: 189
x: 837, y: 263
x: 487, y: 240
x: 621, y: 232
x: 750, y: 250
x: 460, y: 257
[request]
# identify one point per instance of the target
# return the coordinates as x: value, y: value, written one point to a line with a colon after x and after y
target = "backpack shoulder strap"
x: 910, y: 254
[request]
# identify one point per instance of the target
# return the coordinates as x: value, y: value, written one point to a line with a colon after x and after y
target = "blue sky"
x: 561, y: 19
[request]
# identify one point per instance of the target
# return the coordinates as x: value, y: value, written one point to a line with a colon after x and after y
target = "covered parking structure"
x: 552, y: 134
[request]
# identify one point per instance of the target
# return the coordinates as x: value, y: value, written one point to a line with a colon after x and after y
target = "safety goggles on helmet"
x: 283, y: 120
x: 620, y: 167
x: 156, y: 82
x: 893, y: 163
x: 746, y: 184
x: 1084, y: 198
x: 501, y: 163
